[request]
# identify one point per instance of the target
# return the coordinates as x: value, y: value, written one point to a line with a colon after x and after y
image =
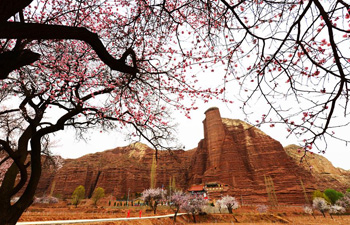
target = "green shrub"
x: 320, y: 194
x: 333, y: 195
x: 78, y: 195
x: 97, y: 195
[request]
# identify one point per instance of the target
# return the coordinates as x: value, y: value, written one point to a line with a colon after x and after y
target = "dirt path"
x: 97, y: 220
x: 245, y: 216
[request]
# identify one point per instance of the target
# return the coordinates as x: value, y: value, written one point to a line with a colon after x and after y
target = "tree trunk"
x: 194, y: 217
x: 155, y: 207
x: 10, y: 214
x: 176, y: 211
x: 235, y: 218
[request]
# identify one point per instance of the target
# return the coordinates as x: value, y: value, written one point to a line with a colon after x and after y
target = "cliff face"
x: 322, y: 169
x: 249, y: 161
x: 253, y: 167
x: 121, y: 169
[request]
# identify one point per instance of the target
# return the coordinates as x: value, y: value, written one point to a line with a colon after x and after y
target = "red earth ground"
x: 245, y: 215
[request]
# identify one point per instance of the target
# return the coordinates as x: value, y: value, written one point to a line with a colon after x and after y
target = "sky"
x: 190, y: 132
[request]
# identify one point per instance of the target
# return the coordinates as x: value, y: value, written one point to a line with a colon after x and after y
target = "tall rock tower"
x: 254, y: 166
x: 214, y: 136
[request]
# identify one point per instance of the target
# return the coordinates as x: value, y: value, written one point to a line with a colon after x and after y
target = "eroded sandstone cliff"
x: 249, y: 161
x: 122, y: 170
x: 325, y: 173
x: 254, y: 167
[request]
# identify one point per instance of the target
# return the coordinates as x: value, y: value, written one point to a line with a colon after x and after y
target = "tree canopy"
x: 333, y: 195
x: 97, y: 195
x: 278, y: 52
x: 153, y: 196
x: 78, y: 195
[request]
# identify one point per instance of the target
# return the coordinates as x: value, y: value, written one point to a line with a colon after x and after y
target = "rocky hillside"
x: 250, y: 165
x: 325, y: 173
x: 121, y: 169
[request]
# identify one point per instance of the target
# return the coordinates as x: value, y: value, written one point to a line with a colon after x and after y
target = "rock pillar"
x: 214, y: 135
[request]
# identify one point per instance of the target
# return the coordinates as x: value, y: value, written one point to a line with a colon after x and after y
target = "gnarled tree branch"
x: 13, y: 30
x: 10, y: 8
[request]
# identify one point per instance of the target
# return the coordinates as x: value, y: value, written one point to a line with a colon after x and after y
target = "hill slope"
x: 322, y: 169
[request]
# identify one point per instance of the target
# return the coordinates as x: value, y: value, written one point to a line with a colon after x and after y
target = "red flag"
x: 128, y: 216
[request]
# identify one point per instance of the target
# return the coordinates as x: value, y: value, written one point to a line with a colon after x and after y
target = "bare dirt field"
x: 245, y: 215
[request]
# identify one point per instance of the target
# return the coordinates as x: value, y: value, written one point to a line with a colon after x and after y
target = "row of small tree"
x: 191, y: 203
x: 330, y: 201
x: 79, y: 194
x: 330, y: 195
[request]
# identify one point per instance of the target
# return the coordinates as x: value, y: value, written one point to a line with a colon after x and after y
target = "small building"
x: 198, y: 190
x: 213, y: 190
x: 216, y: 187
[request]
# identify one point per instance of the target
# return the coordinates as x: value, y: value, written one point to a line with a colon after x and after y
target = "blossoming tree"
x: 153, y: 196
x: 336, y: 209
x: 178, y: 199
x: 228, y: 202
x: 294, y: 50
x: 308, y: 210
x: 194, y: 205
x: 321, y: 205
x: 79, y: 84
x: 344, y: 201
